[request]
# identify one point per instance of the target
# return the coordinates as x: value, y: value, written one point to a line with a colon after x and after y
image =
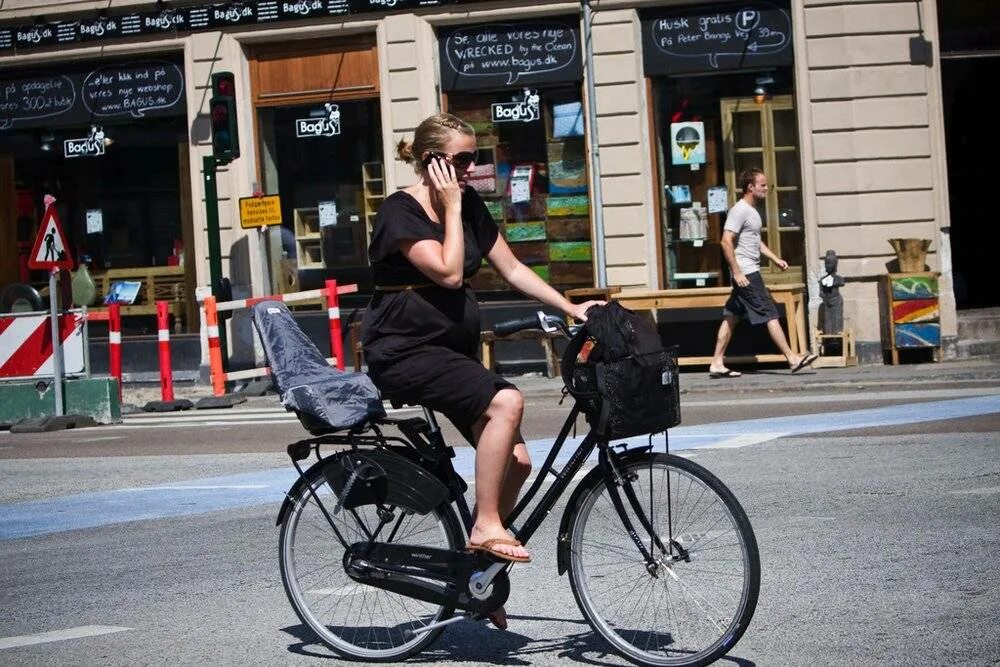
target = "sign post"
x: 51, y: 252
x: 261, y: 211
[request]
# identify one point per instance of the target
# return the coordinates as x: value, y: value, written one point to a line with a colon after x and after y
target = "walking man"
x: 742, y: 247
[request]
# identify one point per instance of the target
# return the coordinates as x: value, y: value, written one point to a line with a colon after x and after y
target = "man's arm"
x: 764, y: 250
x: 729, y: 252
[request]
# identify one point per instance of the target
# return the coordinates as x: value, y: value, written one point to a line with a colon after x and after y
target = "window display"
x: 323, y: 159
x: 532, y: 173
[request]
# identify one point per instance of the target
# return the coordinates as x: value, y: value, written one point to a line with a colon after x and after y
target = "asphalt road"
x: 875, y: 512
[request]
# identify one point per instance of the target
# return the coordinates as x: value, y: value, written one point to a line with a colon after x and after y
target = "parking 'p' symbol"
x: 747, y: 19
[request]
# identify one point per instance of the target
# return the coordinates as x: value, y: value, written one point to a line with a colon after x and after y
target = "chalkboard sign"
x: 132, y: 89
x: 501, y: 55
x: 696, y: 40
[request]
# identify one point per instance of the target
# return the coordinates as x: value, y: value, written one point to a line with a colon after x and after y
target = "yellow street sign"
x: 260, y: 211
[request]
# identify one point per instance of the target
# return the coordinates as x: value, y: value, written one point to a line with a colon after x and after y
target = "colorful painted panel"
x: 914, y: 287
x: 570, y: 251
x: 542, y: 270
x: 568, y: 229
x: 495, y: 207
x: 575, y: 205
x: 915, y: 310
x: 525, y: 231
x: 918, y: 335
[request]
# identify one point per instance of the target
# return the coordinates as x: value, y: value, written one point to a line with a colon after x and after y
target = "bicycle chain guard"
x: 438, y: 576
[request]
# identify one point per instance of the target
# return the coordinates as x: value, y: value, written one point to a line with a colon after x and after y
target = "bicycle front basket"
x: 632, y: 396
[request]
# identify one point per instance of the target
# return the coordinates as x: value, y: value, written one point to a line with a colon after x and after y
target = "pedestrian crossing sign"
x: 51, y: 250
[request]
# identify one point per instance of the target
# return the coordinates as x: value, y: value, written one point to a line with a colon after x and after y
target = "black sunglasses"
x: 460, y: 161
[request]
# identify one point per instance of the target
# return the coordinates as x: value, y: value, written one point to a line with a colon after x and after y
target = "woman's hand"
x: 579, y: 310
x: 446, y: 189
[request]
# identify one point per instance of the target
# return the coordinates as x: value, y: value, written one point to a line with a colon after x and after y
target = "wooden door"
x: 766, y: 136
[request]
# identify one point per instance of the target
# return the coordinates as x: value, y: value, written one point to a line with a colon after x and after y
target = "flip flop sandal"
x: 486, y: 546
x: 806, y: 360
x: 724, y: 374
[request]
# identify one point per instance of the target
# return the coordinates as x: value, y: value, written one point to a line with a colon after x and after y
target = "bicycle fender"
x: 411, y: 485
x: 565, y: 537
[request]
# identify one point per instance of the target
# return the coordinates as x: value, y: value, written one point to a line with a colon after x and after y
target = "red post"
x: 115, y: 344
x: 333, y: 313
x: 163, y: 331
x: 214, y: 347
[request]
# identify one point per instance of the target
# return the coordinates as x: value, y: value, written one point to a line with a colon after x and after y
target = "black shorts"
x: 449, y: 382
x: 753, y: 302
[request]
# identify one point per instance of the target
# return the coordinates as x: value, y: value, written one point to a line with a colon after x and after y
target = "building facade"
x: 839, y: 101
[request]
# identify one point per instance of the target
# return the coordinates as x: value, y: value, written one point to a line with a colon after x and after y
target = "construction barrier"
x: 163, y: 337
x: 329, y: 294
x: 113, y: 316
x: 26, y: 349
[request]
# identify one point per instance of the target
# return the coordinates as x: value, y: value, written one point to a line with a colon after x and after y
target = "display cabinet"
x: 911, y: 313
x: 308, y: 240
x: 372, y: 192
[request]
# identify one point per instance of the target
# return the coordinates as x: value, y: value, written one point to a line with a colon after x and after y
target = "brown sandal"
x: 487, y: 546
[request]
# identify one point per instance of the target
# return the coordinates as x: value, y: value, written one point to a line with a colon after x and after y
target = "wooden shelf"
x: 308, y: 245
x: 373, y: 187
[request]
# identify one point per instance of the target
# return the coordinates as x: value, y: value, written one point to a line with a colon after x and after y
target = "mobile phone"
x: 432, y: 155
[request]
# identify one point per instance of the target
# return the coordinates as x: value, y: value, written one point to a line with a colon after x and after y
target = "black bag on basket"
x: 618, y: 371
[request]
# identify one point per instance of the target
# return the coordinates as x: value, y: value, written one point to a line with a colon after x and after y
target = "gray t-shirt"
x: 744, y: 221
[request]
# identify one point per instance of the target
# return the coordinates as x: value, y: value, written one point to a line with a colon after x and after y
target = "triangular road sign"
x: 51, y: 250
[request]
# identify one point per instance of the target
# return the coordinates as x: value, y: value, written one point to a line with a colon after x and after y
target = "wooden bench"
x: 159, y: 283
x: 488, y: 340
x: 790, y: 296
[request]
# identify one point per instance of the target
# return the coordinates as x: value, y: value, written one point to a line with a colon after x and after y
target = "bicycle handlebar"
x: 539, y: 320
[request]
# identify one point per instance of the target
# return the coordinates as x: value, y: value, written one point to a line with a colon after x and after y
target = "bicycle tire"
x: 687, y: 614
x: 356, y: 621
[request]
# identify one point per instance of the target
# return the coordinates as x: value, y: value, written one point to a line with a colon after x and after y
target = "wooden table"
x: 790, y: 296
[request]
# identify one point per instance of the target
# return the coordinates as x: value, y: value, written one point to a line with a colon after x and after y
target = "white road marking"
x: 197, y: 487
x: 59, y: 635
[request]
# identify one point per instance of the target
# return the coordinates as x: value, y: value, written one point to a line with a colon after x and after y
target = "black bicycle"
x: 661, y: 557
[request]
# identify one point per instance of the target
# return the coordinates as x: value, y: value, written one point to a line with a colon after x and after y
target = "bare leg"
x: 778, y: 336
x: 722, y: 339
x: 495, y: 436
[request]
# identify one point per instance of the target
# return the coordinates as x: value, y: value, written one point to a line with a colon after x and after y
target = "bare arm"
x: 729, y: 252
x: 441, y: 262
x: 764, y: 250
x: 529, y: 283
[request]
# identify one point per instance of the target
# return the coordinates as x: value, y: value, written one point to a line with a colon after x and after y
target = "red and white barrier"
x: 26, y: 345
x: 163, y: 336
x: 330, y: 294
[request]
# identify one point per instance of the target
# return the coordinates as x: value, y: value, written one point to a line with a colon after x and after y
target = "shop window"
x: 532, y: 174
x: 124, y: 208
x: 708, y: 131
x: 324, y: 160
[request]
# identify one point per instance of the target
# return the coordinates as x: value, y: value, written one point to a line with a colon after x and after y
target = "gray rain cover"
x: 305, y: 380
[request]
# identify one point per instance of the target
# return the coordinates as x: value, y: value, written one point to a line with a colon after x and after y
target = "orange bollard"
x: 214, y: 347
x: 163, y: 335
x: 333, y: 313
x: 115, y: 344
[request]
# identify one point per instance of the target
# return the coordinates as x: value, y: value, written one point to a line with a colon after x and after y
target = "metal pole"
x: 57, y: 366
x: 212, y: 224
x: 595, y: 152
x: 214, y: 243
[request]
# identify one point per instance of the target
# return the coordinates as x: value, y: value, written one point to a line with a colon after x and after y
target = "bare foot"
x: 498, y: 617
x: 481, y: 535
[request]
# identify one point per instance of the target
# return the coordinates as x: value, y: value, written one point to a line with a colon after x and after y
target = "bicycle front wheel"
x: 357, y: 621
x: 695, y: 601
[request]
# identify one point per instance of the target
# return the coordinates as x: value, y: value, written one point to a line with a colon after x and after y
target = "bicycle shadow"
x: 480, y: 642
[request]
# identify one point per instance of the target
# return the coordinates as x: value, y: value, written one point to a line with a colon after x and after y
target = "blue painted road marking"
x: 88, y: 510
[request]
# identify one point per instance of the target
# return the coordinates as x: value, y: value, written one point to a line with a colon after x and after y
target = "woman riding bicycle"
x: 421, y: 329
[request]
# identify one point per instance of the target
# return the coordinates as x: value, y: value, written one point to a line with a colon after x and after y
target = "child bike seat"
x: 325, y: 398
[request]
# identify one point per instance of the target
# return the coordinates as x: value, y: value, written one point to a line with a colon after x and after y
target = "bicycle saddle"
x: 325, y: 398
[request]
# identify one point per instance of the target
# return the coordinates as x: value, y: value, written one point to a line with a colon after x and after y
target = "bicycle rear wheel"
x: 357, y: 621
x: 696, y: 601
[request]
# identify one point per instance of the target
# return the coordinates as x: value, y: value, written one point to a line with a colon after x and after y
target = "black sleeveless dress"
x: 421, y: 344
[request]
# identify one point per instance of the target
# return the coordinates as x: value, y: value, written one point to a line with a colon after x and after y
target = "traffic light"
x: 222, y: 112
